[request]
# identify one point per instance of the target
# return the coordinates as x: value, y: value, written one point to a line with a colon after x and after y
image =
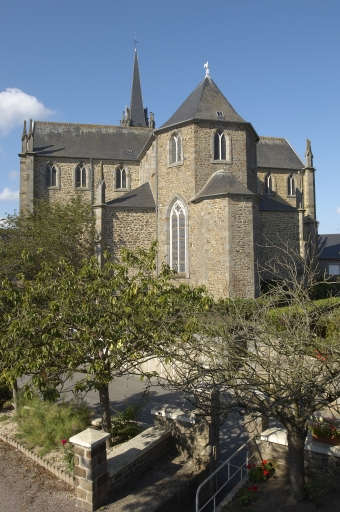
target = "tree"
x: 272, y: 356
x: 98, y: 321
x: 53, y: 231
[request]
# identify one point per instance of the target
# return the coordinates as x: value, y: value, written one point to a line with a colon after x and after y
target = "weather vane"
x: 206, y: 65
x: 135, y: 41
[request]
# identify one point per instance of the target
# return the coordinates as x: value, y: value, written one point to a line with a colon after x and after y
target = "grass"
x: 44, y: 425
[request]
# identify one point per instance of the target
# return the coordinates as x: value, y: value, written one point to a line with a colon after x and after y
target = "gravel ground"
x: 27, y: 487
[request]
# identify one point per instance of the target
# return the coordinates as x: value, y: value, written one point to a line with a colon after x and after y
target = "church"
x: 216, y: 195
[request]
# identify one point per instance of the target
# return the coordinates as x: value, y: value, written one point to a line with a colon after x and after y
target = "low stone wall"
x: 318, y: 456
x: 136, y: 456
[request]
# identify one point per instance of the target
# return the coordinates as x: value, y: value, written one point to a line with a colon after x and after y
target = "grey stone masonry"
x: 90, y: 470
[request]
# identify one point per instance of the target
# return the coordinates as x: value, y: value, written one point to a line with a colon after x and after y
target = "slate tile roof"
x: 89, y: 141
x: 329, y: 246
x: 203, y: 103
x: 277, y: 153
x: 221, y: 184
x: 140, y: 197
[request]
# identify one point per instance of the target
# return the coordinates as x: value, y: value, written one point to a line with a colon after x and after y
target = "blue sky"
x: 276, y: 62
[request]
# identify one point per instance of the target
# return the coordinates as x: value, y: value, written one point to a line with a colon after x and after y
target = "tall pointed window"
x: 120, y: 177
x: 221, y: 146
x: 51, y: 175
x: 178, y: 238
x: 81, y: 176
x: 268, y: 184
x: 291, y: 185
x: 175, y: 149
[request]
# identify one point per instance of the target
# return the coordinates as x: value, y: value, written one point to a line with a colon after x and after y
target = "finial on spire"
x: 136, y: 42
x: 309, y: 154
x: 24, y: 132
x: 206, y: 65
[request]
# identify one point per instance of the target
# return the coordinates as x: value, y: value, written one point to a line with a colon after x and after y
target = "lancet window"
x: 178, y: 238
x: 175, y: 149
x: 120, y: 177
x: 51, y: 175
x: 81, y: 181
x: 291, y: 185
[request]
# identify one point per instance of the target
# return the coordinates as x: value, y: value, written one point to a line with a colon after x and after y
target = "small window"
x: 268, y: 184
x: 129, y: 151
x: 334, y: 270
x: 175, y: 149
x: 220, y: 150
x: 291, y: 185
x: 81, y: 176
x: 51, y: 176
x: 219, y: 113
x: 120, y: 177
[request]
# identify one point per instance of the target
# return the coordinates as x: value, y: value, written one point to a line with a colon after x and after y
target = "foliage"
x: 68, y: 456
x: 124, y: 424
x: 262, y: 471
x: 5, y: 394
x: 245, y: 496
x: 44, y: 424
x: 315, y: 489
x: 275, y: 363
x: 51, y: 232
x: 325, y: 427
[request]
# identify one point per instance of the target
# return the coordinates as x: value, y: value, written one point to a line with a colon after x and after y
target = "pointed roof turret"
x: 309, y: 154
x: 206, y: 103
x: 135, y: 115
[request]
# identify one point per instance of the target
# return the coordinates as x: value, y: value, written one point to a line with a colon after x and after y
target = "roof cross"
x: 135, y: 41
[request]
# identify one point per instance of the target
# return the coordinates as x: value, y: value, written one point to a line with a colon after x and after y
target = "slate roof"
x: 203, y: 103
x: 329, y: 246
x: 89, y: 141
x: 221, y: 184
x: 136, y: 102
x: 270, y: 204
x: 277, y: 153
x: 140, y: 197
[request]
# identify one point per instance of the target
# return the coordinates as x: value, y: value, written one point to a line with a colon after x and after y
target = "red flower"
x: 63, y: 441
x: 264, y: 462
x: 254, y: 465
x: 266, y: 472
x: 249, y: 466
x: 255, y: 488
x: 249, y: 489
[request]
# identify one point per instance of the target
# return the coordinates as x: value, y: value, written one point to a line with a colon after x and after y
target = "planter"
x: 327, y: 439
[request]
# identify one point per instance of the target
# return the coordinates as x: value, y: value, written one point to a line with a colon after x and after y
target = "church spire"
x: 136, y: 115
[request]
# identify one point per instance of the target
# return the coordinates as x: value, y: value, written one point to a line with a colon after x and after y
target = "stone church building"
x: 212, y: 191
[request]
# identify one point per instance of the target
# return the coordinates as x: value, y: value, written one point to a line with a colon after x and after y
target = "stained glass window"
x: 51, y: 176
x: 120, y: 177
x: 176, y: 149
x: 178, y: 238
x: 220, y: 146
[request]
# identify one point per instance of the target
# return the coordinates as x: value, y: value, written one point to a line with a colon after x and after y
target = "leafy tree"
x: 53, y: 231
x: 265, y: 363
x: 98, y: 321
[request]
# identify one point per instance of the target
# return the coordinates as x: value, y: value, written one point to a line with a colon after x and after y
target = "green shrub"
x: 5, y: 394
x: 124, y: 425
x: 262, y: 471
x: 45, y: 424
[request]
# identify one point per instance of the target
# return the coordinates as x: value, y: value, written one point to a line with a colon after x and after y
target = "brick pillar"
x: 91, y: 485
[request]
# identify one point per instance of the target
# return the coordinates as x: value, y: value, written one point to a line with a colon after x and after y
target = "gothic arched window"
x: 222, y: 146
x: 178, y: 237
x: 291, y: 185
x: 268, y: 184
x: 81, y: 176
x: 120, y: 177
x: 175, y: 149
x: 51, y: 175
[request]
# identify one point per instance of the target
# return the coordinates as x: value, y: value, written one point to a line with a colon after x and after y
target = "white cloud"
x: 16, y: 105
x: 9, y: 195
x: 13, y: 175
x: 338, y: 210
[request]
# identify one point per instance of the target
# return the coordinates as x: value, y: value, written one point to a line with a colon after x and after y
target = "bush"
x: 263, y: 471
x: 45, y: 424
x: 5, y: 394
x: 124, y: 425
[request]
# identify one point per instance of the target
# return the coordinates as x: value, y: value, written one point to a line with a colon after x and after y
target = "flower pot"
x: 327, y: 439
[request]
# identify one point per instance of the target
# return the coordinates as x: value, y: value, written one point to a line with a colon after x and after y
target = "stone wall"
x: 280, y: 185
x: 278, y: 229
x: 129, y: 228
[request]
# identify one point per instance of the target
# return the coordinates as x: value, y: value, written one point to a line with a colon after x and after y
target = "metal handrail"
x: 227, y: 462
